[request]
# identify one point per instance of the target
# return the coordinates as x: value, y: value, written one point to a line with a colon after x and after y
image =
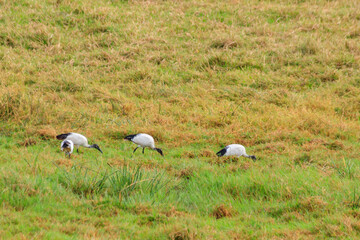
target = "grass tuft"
x: 185, y: 173
x: 222, y: 211
x: 183, y: 234
x: 126, y: 182
x: 83, y: 181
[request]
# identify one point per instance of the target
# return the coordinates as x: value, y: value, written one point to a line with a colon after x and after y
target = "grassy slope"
x: 281, y: 78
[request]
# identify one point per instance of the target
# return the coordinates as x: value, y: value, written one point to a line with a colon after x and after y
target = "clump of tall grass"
x: 346, y: 169
x: 121, y: 183
x: 182, y: 234
x: 222, y: 211
x: 83, y: 181
x: 354, y: 201
x: 125, y: 182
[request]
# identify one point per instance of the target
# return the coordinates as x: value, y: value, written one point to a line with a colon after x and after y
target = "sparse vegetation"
x: 279, y: 77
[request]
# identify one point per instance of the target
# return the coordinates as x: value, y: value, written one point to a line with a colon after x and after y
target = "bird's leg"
x: 135, y: 149
x: 77, y: 150
x: 143, y: 150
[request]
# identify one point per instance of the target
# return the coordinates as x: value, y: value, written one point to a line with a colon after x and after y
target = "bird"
x: 67, y: 146
x: 143, y: 140
x: 234, y: 150
x: 78, y: 140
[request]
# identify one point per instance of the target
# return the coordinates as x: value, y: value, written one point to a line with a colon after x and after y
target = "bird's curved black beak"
x: 98, y: 148
x: 159, y: 151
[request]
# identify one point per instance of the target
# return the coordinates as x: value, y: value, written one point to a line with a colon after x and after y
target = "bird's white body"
x: 78, y: 140
x: 235, y: 150
x: 144, y: 140
x: 67, y: 146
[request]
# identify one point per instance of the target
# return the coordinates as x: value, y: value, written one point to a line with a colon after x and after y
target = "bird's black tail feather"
x: 62, y: 136
x: 221, y: 152
x: 130, y: 137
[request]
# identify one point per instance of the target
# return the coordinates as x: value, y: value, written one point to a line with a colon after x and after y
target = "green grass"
x: 279, y: 77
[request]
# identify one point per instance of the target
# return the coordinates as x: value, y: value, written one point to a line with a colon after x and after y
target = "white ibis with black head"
x: 67, y: 146
x: 78, y: 140
x: 234, y: 150
x: 143, y: 140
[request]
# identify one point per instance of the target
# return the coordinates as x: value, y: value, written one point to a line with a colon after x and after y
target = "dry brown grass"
x: 265, y: 89
x: 47, y: 132
x: 183, y: 234
x: 187, y: 154
x: 185, y: 173
x: 65, y: 162
x: 312, y: 204
x: 28, y: 142
x: 222, y: 211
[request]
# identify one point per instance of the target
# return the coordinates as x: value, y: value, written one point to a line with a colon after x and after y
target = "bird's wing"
x: 237, y: 149
x: 144, y: 140
x: 78, y: 139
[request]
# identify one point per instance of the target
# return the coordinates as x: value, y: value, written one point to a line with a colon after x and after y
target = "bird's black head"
x: 65, y: 144
x: 159, y: 151
x: 97, y: 147
x: 253, y: 158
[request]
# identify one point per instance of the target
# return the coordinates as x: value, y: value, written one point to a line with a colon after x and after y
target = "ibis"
x: 234, y: 150
x: 67, y: 146
x: 78, y: 140
x: 143, y: 140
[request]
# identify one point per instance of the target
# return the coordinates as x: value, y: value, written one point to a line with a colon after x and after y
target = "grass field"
x: 280, y: 77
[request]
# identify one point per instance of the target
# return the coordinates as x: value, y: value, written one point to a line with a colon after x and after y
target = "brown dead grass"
x: 276, y: 147
x: 240, y: 166
x: 174, y: 213
x: 207, y: 153
x: 312, y: 204
x: 294, y: 234
x: 188, y: 154
x: 142, y: 209
x: 28, y: 142
x: 65, y: 162
x: 47, y: 132
x: 185, y: 173
x: 336, y: 145
x: 224, y: 160
x: 314, y: 145
x: 117, y: 162
x: 224, y: 44
x: 222, y: 211
x: 183, y: 234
